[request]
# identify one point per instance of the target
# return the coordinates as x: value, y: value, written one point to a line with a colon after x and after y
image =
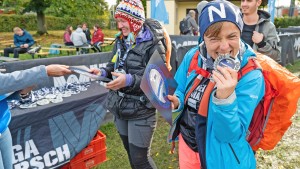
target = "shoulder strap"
x: 251, y: 65
x: 194, y: 62
x: 261, y: 27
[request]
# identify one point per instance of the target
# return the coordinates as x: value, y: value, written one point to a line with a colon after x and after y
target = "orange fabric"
x: 188, y: 159
x: 169, y: 49
x: 195, y: 84
x: 285, y: 104
x: 203, y: 107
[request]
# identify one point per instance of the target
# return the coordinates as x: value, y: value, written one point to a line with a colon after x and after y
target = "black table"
x: 50, y: 135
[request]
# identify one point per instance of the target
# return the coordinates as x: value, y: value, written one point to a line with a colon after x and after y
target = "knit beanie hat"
x: 218, y: 11
x: 133, y: 12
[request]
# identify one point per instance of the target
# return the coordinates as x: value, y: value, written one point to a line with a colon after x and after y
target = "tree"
x: 38, y: 6
x: 73, y: 8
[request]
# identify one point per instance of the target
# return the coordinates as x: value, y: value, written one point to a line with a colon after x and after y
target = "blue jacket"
x: 15, y: 81
x: 4, y: 114
x: 26, y: 38
x: 228, y: 120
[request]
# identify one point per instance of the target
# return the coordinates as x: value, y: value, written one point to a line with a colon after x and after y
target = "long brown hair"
x: 68, y: 29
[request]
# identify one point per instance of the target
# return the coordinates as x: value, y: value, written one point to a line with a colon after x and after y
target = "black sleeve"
x: 110, y: 66
x: 137, y: 78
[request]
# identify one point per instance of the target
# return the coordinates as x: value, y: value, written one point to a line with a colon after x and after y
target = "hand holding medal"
x: 225, y: 75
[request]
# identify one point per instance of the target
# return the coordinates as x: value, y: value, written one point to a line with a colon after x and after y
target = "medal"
x: 227, y: 61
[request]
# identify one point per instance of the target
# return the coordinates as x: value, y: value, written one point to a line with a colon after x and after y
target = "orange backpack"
x: 287, y: 87
x: 272, y: 116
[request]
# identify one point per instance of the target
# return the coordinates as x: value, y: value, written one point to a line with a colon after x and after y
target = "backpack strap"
x: 203, y: 107
x: 251, y: 65
x: 194, y: 62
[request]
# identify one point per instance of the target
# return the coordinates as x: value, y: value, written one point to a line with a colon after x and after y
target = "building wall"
x: 182, y: 7
x: 171, y: 9
x: 285, y: 12
x: 177, y: 11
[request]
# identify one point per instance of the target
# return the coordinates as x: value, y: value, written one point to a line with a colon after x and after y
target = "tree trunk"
x: 41, y: 23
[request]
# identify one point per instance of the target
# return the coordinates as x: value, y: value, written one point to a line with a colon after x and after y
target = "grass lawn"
x: 53, y: 37
x: 117, y: 157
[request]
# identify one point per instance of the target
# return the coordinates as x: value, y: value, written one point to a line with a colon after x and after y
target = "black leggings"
x: 136, y: 136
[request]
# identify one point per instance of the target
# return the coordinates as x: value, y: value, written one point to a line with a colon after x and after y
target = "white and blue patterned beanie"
x: 218, y: 11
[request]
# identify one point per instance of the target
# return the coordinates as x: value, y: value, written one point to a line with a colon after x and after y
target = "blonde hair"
x: 17, y: 29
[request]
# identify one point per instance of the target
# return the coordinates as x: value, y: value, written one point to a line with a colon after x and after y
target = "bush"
x: 29, y: 22
x: 284, y: 22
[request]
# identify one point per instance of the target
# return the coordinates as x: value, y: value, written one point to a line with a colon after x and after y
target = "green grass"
x: 117, y: 157
x: 294, y: 68
x: 53, y: 37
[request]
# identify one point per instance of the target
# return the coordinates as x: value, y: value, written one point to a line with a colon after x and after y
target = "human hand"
x: 226, y: 81
x: 95, y: 71
x: 118, y: 83
x: 257, y: 37
x: 174, y: 101
x: 169, y: 67
x: 57, y: 70
x: 25, y: 46
x: 26, y: 90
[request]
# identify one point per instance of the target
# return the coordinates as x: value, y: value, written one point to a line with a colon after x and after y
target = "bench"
x: 40, y: 54
x: 7, y: 43
x: 108, y: 41
x: 10, y: 43
x: 7, y: 59
x: 60, y: 49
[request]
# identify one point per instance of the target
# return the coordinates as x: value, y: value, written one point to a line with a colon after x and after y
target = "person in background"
x: 259, y: 32
x: 215, y: 107
x: 67, y: 36
x: 16, y: 81
x: 87, y: 32
x: 192, y: 23
x: 22, y: 41
x: 135, y: 116
x: 79, y: 39
x: 97, y: 38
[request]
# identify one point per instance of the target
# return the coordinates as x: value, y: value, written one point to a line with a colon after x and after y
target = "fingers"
x: 174, y: 101
x: 65, y: 66
x: 116, y: 74
x: 225, y: 73
x: 118, y: 82
x: 95, y: 71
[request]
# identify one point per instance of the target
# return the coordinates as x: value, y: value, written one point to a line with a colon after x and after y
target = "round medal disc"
x: 43, y: 102
x: 227, y: 61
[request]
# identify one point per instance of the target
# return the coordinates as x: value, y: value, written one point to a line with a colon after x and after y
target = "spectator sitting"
x: 87, y: 32
x: 22, y: 41
x: 97, y: 38
x: 67, y: 36
x: 78, y: 38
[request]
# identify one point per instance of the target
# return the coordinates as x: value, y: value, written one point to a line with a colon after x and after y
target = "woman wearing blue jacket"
x: 218, y: 122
